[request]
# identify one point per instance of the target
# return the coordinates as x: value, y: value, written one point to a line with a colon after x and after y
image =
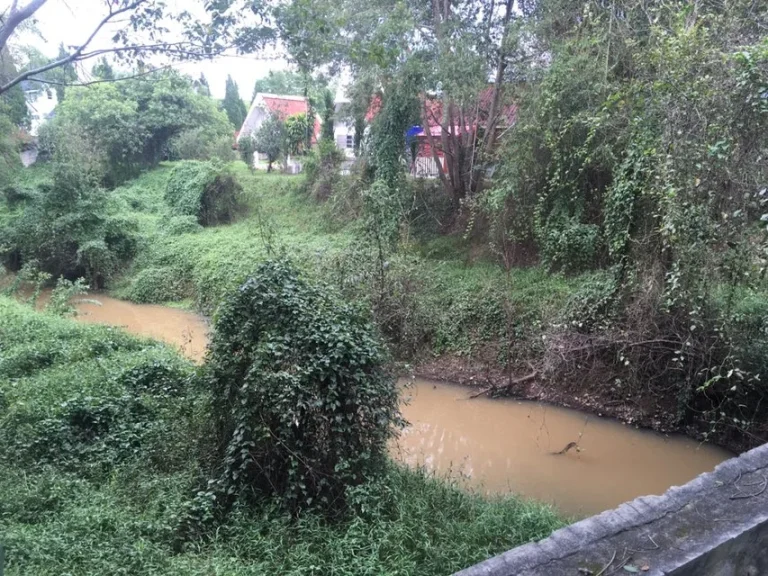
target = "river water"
x: 496, y: 446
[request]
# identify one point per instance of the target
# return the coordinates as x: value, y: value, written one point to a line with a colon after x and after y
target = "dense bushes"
x: 61, y: 411
x: 204, y: 190
x: 648, y: 162
x: 322, y: 167
x: 134, y: 124
x: 200, y: 144
x: 302, y: 404
x: 68, y: 226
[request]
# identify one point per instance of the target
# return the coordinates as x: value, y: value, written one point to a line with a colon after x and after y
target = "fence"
x: 425, y: 167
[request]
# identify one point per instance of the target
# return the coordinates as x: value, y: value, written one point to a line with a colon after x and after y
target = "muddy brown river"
x: 496, y: 446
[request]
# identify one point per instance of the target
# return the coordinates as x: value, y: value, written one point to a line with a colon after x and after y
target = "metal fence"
x: 425, y: 167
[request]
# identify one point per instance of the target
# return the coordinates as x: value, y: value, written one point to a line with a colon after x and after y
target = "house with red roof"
x: 468, y: 124
x: 264, y: 105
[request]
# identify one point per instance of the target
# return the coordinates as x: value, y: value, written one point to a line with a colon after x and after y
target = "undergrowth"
x: 98, y: 454
x: 439, y: 297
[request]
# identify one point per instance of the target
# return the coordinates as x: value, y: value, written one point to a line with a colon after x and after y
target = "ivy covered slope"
x: 102, y: 445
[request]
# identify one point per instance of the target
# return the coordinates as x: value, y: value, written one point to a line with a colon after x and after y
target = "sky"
x: 72, y: 21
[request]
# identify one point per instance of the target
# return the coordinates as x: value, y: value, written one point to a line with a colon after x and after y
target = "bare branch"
x: 76, y: 55
x: 16, y: 17
x: 101, y: 81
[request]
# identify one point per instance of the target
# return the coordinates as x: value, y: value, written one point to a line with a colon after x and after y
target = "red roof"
x: 285, y: 106
x: 508, y: 112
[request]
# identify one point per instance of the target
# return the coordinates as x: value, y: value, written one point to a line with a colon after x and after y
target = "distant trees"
x: 134, y: 124
x: 103, y: 70
x: 282, y: 82
x: 233, y: 105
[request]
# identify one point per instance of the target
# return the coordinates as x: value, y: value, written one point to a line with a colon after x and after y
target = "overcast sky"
x: 72, y: 21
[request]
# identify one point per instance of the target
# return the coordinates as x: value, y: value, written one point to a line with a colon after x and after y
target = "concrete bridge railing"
x: 716, y: 525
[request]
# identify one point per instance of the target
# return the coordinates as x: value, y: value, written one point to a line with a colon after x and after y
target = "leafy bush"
x: 204, y: 190
x: 570, y: 246
x: 199, y: 144
x: 153, y: 285
x: 302, y: 405
x: 270, y: 139
x: 296, y: 130
x: 246, y: 146
x: 322, y: 169
x: 176, y: 225
x: 69, y: 225
x: 62, y: 294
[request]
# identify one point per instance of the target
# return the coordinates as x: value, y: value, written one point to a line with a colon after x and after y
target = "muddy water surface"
x: 498, y: 446
x: 505, y: 445
x: 185, y: 330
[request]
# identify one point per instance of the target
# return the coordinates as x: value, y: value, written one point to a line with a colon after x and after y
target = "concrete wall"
x: 716, y: 525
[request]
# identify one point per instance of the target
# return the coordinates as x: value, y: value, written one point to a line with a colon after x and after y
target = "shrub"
x: 153, y: 285
x: 176, y: 225
x: 322, y: 169
x: 302, y: 405
x: 246, y: 146
x: 204, y: 190
x: 570, y: 246
x: 270, y: 139
x: 199, y: 144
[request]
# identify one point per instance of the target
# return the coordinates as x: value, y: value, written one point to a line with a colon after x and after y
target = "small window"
x: 350, y: 141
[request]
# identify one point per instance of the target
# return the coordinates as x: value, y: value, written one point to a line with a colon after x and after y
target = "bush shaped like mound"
x: 302, y: 403
x: 157, y: 284
x: 204, y: 190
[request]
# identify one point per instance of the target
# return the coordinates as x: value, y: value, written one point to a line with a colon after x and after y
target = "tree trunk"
x: 489, y: 138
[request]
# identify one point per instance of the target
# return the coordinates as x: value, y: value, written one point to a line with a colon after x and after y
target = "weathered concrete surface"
x: 716, y: 525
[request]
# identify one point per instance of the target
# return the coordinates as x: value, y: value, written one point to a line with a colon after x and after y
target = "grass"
x: 438, y: 298
x: 98, y: 454
x: 445, y: 300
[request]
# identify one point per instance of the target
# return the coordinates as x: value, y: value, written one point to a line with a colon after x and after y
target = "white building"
x: 343, y: 129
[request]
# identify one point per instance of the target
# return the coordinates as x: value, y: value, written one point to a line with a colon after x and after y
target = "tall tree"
x: 233, y: 105
x: 13, y: 104
x: 62, y: 75
x: 328, y: 115
x: 201, y: 84
x: 270, y: 139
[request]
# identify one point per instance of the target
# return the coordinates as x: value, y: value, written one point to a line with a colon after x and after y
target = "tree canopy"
x: 233, y: 105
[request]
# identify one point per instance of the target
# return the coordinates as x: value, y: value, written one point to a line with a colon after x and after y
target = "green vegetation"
x: 102, y: 436
x: 597, y: 221
x: 204, y: 191
x: 269, y: 139
x: 233, y: 105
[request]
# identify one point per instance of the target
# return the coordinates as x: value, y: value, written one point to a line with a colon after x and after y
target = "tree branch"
x: 16, y: 17
x: 100, y: 81
x: 76, y: 55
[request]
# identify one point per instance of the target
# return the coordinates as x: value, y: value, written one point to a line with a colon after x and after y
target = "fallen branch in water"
x: 511, y: 383
x: 567, y: 447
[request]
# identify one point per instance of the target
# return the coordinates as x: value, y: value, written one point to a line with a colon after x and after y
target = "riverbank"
x: 98, y: 454
x: 497, y: 446
x: 446, y: 308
